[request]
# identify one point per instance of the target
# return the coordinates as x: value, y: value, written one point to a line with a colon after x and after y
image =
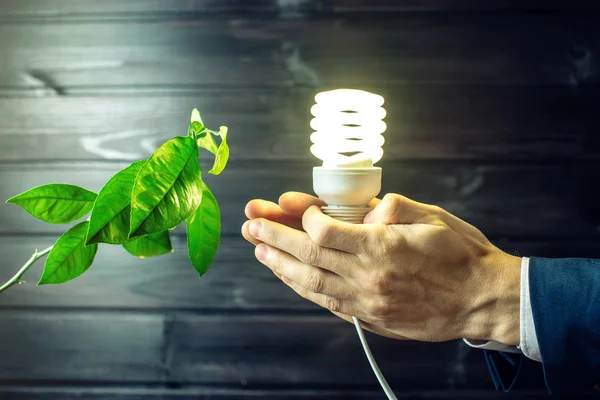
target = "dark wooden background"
x: 494, y: 114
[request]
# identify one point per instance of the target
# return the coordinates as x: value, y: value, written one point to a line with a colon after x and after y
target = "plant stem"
x: 17, y: 278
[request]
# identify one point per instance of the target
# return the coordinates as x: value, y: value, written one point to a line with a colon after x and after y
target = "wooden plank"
x: 249, y: 352
x: 527, y: 49
x: 386, y: 6
x: 35, y: 393
x: 236, y: 281
x: 89, y: 9
x: 74, y: 9
x: 254, y: 351
x: 263, y: 125
x: 519, y: 199
x: 424, y: 123
x: 81, y: 347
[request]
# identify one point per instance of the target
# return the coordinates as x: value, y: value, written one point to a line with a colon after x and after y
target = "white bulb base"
x: 347, y: 187
x: 349, y: 214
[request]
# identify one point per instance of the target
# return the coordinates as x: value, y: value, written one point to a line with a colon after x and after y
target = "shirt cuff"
x: 491, y: 345
x: 529, y: 344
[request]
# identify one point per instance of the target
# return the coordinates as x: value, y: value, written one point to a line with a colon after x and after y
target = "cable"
x: 348, y: 214
x: 363, y: 340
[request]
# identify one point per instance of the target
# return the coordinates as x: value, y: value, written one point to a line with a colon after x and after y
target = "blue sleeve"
x: 565, y: 300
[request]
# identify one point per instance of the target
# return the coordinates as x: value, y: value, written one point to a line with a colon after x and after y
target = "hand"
x: 413, y: 271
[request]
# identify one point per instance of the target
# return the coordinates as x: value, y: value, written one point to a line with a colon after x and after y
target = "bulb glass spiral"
x: 347, y: 121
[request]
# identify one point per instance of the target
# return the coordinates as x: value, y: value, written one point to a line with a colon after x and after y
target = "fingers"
x: 269, y: 210
x: 289, y: 211
x: 247, y: 235
x: 334, y: 234
x: 273, y: 212
x: 396, y: 209
x: 373, y: 203
x: 296, y: 203
x: 313, y: 279
x: 328, y: 302
x: 300, y: 245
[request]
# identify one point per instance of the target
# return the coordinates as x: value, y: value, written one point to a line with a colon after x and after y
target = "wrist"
x: 496, y: 307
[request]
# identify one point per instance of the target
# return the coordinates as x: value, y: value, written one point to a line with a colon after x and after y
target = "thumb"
x: 396, y: 209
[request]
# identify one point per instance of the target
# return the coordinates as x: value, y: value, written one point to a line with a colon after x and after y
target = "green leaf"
x: 69, y: 258
x: 206, y: 141
x: 196, y: 116
x: 156, y: 244
x: 167, y: 189
x: 204, y: 232
x: 222, y: 155
x: 109, y: 222
x: 56, y: 203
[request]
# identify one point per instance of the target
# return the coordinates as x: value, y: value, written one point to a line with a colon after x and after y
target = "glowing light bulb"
x: 348, y: 121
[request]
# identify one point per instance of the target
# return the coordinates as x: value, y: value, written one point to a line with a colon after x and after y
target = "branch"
x: 17, y: 278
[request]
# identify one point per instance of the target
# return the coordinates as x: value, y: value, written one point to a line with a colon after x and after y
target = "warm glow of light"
x: 346, y: 121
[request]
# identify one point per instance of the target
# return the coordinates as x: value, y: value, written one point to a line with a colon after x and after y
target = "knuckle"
x: 309, y: 254
x: 332, y: 304
x: 322, y: 234
x: 379, y: 308
x: 437, y: 211
x: 302, y: 292
x: 393, y: 201
x: 275, y: 261
x: 269, y: 235
x: 391, y: 198
x: 314, y: 282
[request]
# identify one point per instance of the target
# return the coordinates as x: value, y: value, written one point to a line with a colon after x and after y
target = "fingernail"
x: 261, y: 252
x: 254, y: 228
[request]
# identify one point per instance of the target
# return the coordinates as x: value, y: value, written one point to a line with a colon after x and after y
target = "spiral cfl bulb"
x: 347, y: 121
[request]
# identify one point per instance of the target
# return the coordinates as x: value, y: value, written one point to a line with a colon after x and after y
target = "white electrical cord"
x: 363, y: 340
x: 356, y: 216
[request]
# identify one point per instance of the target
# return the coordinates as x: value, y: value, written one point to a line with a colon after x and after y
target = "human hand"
x: 413, y: 271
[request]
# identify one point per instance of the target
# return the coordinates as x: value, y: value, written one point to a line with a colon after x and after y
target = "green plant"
x: 136, y: 208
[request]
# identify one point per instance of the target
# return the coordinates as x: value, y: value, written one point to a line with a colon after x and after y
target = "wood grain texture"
x: 512, y: 200
x: 522, y: 49
x: 235, y: 283
x: 27, y: 393
x: 81, y: 347
x: 279, y: 351
x: 424, y: 123
x: 138, y: 9
x: 249, y: 352
x: 75, y: 9
x: 386, y: 6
